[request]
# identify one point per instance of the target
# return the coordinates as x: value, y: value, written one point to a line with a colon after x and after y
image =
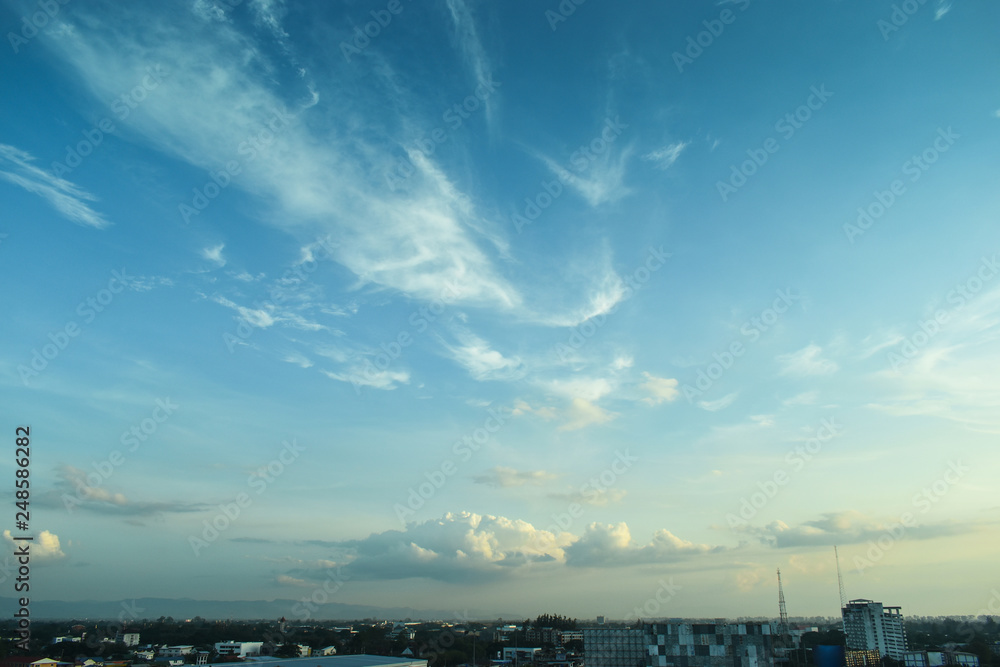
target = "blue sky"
x: 516, y: 306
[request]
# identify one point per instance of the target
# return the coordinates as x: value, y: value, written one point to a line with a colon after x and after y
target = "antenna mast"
x: 840, y: 581
x: 782, y: 612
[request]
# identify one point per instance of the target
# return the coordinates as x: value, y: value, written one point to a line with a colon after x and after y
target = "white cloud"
x: 582, y: 413
x: 44, y: 548
x: 298, y: 359
x: 622, y: 362
x: 606, y: 545
x: 720, y: 403
x: 955, y: 376
x: 521, y: 407
x: 664, y: 157
x: 603, y: 179
x: 482, y: 361
x: 661, y: 390
x: 214, y: 254
x: 587, y: 388
x: 607, y: 290
x: 592, y: 496
x: 807, y: 361
x: 466, y: 547
x: 504, y: 477
x: 370, y: 377
x: 61, y: 194
x: 805, y: 398
x: 475, y: 54
x: 850, y: 527
x: 213, y: 97
x: 459, y: 547
x: 255, y: 317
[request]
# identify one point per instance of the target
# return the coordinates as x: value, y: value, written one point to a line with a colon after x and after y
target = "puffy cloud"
x: 582, y: 414
x: 460, y: 547
x: 605, y: 545
x: 44, y: 548
x: 661, y: 390
x: 482, y: 361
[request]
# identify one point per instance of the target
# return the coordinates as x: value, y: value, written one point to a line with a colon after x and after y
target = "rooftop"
x: 360, y: 660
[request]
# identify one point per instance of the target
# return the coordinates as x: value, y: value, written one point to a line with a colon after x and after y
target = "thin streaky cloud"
x: 664, y: 157
x: 62, y: 195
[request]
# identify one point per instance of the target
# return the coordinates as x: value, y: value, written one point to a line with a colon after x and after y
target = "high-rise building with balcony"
x: 868, y: 626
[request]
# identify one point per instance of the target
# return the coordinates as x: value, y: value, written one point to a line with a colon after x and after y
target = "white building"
x: 127, y: 638
x: 240, y: 649
x: 175, y: 651
x: 868, y: 626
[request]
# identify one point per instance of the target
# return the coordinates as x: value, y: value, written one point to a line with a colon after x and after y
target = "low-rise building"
x: 504, y: 633
x: 940, y: 658
x: 238, y: 649
x: 127, y: 638
x: 520, y: 655
x: 566, y: 636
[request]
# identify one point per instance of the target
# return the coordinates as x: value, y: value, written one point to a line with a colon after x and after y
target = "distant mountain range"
x: 183, y: 608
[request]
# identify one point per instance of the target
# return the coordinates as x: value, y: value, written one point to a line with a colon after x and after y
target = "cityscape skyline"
x: 468, y: 305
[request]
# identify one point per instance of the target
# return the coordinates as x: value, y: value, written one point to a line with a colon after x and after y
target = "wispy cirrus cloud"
x: 849, y: 527
x: 807, y: 361
x: 203, y: 113
x: 601, y: 181
x: 69, y: 199
x: 482, y: 361
x: 504, y: 477
x: 719, y: 403
x: 664, y: 157
x: 214, y: 254
x: 475, y: 55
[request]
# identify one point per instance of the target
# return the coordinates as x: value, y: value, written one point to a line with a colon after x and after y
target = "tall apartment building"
x: 678, y: 643
x: 868, y: 626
